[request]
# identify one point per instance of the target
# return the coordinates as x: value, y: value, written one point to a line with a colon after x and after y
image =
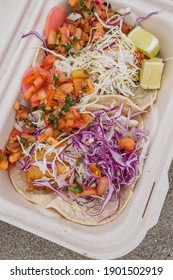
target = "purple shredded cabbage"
x: 27, y: 162
x: 140, y: 19
x: 38, y: 36
x: 98, y: 144
x: 113, y: 21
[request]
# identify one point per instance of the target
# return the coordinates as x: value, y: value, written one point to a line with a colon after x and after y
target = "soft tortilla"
x: 70, y: 211
x: 139, y: 102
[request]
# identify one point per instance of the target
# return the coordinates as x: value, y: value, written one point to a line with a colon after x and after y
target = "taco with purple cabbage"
x: 88, y: 176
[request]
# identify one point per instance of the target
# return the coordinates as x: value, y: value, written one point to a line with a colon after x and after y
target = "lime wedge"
x: 151, y: 73
x: 144, y: 41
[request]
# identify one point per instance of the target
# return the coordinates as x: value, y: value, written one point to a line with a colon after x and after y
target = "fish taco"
x: 88, y: 176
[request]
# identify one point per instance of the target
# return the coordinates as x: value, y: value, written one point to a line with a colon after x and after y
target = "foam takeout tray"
x: 122, y: 235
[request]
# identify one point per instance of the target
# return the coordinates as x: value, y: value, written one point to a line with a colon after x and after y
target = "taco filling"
x: 89, y: 167
x: 78, y: 144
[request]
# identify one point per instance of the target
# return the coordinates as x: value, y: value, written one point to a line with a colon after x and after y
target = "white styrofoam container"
x: 122, y: 235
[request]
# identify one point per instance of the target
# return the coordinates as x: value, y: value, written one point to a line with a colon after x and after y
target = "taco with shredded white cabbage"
x: 88, y: 176
x: 99, y: 60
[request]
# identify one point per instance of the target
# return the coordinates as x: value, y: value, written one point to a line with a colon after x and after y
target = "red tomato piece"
x: 48, y: 61
x: 55, y: 19
x: 31, y: 75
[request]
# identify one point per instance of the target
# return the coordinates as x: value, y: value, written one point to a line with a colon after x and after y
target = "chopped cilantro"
x: 79, y: 161
x: 77, y: 189
x: 68, y: 103
x: 53, y: 120
x: 65, y: 108
x: 68, y: 47
x: 85, y: 72
x: 42, y: 107
x: 85, y: 87
x: 80, y: 4
x: 55, y: 125
x: 22, y: 140
x: 42, y: 116
x: 55, y: 79
x: 75, y: 39
x: 88, y: 11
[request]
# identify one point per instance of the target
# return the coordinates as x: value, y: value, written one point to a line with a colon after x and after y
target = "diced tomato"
x: 73, y: 3
x: 90, y: 87
x: 28, y: 93
x: 48, y: 62
x: 48, y: 132
x: 34, y: 101
x: 79, y: 124
x: 13, y: 147
x: 22, y: 114
x: 38, y: 82
x: 103, y: 185
x: 126, y: 28
x: 51, y: 39
x: 140, y: 56
x: 31, y: 75
x: 127, y: 143
x: 75, y: 113
x: 16, y: 105
x: 50, y: 96
x: 87, y: 118
x: 51, y: 140
x: 14, y: 157
x: 41, y: 94
x: 61, y: 123
x: 71, y: 29
x: 69, y: 123
x: 95, y: 170
x: 4, y: 163
x: 67, y: 87
x: 77, y: 87
x: 55, y: 19
x: 14, y: 133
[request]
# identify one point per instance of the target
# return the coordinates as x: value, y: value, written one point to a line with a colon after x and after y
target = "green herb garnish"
x: 88, y: 11
x: 77, y: 189
x: 75, y: 39
x: 80, y: 4
x: 42, y: 116
x: 85, y: 72
x: 68, y: 47
x: 53, y: 120
x: 68, y: 103
x: 79, y: 161
x: 55, y: 79
x: 23, y: 141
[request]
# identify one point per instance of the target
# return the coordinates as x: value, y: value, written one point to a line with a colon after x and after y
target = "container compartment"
x: 122, y: 235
